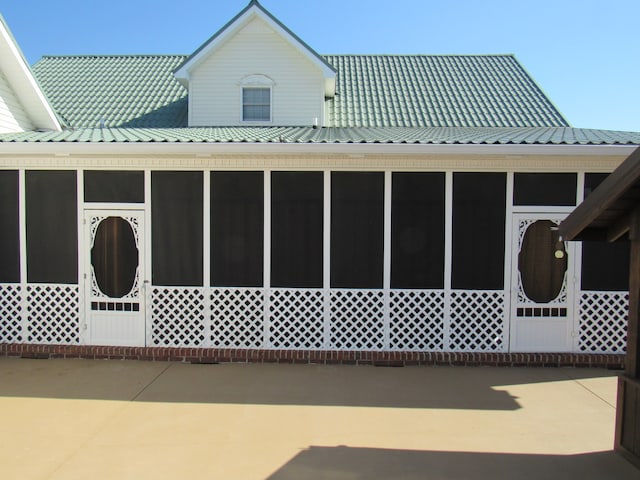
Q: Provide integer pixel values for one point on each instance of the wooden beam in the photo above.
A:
(618, 229)
(604, 197)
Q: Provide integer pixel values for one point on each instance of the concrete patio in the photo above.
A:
(78, 419)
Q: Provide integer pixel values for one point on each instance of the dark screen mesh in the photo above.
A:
(177, 228)
(541, 271)
(296, 229)
(544, 189)
(479, 201)
(113, 187)
(417, 230)
(237, 228)
(357, 229)
(52, 226)
(115, 257)
(9, 227)
(605, 266)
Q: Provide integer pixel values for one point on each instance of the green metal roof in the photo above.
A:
(391, 135)
(115, 90)
(372, 91)
(439, 91)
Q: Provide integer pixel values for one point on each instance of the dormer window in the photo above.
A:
(256, 98)
(256, 104)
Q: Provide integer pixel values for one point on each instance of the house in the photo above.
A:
(260, 197)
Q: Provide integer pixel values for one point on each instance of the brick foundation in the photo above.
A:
(328, 357)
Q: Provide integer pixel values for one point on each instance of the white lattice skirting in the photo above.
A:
(237, 317)
(40, 313)
(603, 322)
(178, 317)
(308, 319)
(11, 316)
(52, 314)
(296, 319)
(316, 319)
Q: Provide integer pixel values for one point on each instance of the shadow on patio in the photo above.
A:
(302, 385)
(338, 463)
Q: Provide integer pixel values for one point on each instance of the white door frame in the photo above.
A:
(117, 321)
(544, 329)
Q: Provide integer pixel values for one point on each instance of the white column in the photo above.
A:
(448, 257)
(148, 256)
(508, 255)
(386, 283)
(206, 256)
(326, 258)
(23, 254)
(267, 258)
(577, 272)
(82, 306)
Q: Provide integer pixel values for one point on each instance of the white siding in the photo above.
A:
(215, 91)
(13, 117)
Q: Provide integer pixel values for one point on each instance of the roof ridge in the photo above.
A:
(419, 55)
(120, 55)
(115, 55)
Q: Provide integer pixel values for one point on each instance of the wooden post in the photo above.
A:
(633, 367)
(627, 438)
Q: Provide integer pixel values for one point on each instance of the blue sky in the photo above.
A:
(584, 54)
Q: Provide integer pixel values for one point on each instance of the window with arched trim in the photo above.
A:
(256, 98)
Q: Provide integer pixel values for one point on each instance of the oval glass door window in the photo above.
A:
(542, 262)
(114, 257)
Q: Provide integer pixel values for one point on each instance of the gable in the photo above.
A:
(256, 51)
(251, 12)
(221, 74)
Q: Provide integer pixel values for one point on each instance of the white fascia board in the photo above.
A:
(18, 74)
(357, 149)
(183, 73)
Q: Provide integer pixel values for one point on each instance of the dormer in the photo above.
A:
(23, 106)
(256, 72)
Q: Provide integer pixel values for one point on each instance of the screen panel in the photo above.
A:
(177, 228)
(417, 230)
(297, 207)
(605, 266)
(9, 227)
(52, 226)
(479, 203)
(555, 189)
(357, 229)
(237, 229)
(113, 186)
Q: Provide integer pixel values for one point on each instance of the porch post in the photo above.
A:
(627, 438)
(633, 365)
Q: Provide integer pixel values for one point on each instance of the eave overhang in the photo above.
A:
(164, 149)
(17, 72)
